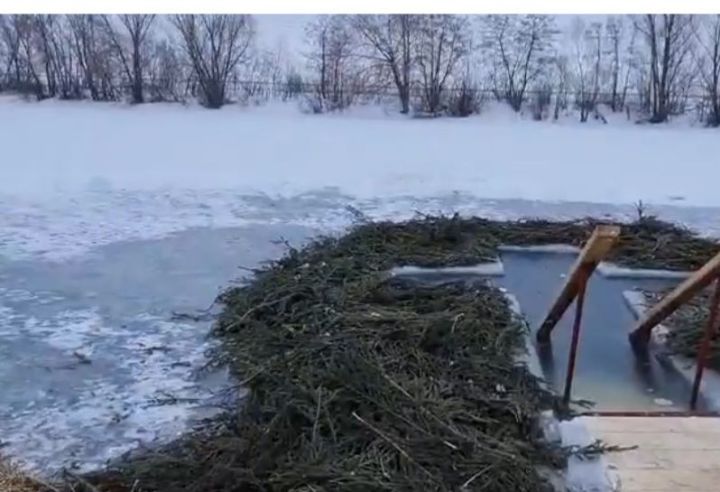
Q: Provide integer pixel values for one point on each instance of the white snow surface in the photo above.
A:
(79, 174)
(67, 146)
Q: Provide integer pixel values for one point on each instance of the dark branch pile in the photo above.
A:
(361, 382)
(676, 249)
(651, 243)
(687, 325)
(647, 243)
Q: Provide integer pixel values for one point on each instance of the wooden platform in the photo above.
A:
(674, 454)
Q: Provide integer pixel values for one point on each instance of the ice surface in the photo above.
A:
(93, 362)
(79, 389)
(104, 173)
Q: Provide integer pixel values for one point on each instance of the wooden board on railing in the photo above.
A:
(679, 296)
(597, 247)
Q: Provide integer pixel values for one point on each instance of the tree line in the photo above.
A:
(656, 65)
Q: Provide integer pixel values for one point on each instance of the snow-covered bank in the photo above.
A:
(60, 146)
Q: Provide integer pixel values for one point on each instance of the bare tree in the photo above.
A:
(41, 55)
(628, 68)
(519, 48)
(45, 27)
(215, 45)
(165, 73)
(55, 51)
(588, 52)
(83, 33)
(391, 39)
(25, 28)
(614, 30)
(338, 71)
(426, 57)
(21, 72)
(293, 84)
(443, 40)
(261, 79)
(562, 83)
(93, 55)
(464, 96)
(318, 34)
(669, 39)
(61, 49)
(11, 42)
(708, 63)
(133, 52)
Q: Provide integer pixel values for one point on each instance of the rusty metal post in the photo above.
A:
(575, 336)
(710, 330)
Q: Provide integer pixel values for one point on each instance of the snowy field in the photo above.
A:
(113, 217)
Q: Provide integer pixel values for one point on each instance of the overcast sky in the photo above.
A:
(286, 31)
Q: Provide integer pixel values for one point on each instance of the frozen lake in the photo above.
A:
(93, 363)
(92, 359)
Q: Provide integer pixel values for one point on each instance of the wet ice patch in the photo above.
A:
(66, 225)
(17, 295)
(135, 383)
(70, 225)
(71, 330)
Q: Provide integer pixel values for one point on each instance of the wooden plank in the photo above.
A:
(597, 247)
(640, 335)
